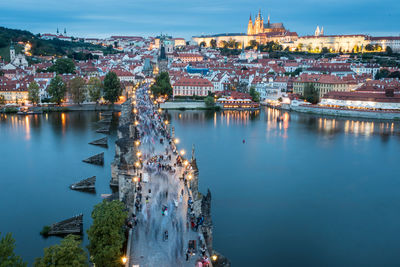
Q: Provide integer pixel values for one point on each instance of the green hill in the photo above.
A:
(41, 47)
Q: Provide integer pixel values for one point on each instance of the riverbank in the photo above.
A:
(194, 105)
(84, 107)
(311, 109)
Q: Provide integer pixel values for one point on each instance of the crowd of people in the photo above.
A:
(154, 133)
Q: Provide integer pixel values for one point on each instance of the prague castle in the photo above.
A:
(266, 32)
(258, 31)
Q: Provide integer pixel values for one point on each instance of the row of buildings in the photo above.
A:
(195, 70)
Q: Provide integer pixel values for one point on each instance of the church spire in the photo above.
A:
(268, 18)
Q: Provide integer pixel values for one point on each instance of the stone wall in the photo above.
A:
(347, 113)
(181, 105)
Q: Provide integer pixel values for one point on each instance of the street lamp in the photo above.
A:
(137, 143)
(166, 122)
(214, 257)
(190, 177)
(159, 110)
(136, 123)
(135, 179)
(185, 162)
(182, 152)
(124, 259)
(138, 153)
(176, 141)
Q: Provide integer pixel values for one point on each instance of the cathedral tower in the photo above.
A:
(250, 30)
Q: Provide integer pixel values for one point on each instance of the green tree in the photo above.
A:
(310, 93)
(162, 86)
(253, 44)
(223, 44)
(209, 101)
(57, 89)
(383, 73)
(324, 50)
(94, 87)
(389, 51)
(77, 89)
(2, 100)
(254, 94)
(112, 87)
(33, 92)
(62, 66)
(7, 255)
(369, 47)
(106, 234)
(213, 43)
(68, 253)
(203, 44)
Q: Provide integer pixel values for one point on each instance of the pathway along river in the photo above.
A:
(304, 191)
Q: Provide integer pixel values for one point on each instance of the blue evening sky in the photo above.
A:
(185, 18)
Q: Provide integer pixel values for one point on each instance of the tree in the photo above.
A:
(254, 94)
(112, 87)
(383, 73)
(213, 43)
(253, 44)
(162, 86)
(106, 234)
(209, 101)
(223, 44)
(310, 93)
(7, 255)
(57, 89)
(94, 87)
(68, 253)
(62, 66)
(2, 100)
(33, 92)
(77, 89)
(389, 51)
(324, 50)
(369, 47)
(203, 44)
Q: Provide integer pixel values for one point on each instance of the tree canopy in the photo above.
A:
(7, 255)
(162, 86)
(68, 253)
(62, 66)
(33, 92)
(112, 87)
(57, 89)
(77, 89)
(310, 93)
(106, 234)
(213, 43)
(95, 87)
(254, 94)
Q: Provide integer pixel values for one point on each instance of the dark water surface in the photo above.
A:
(306, 191)
(41, 156)
(303, 191)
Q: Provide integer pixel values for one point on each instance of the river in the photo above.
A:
(303, 190)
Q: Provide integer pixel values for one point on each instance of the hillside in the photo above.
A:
(41, 47)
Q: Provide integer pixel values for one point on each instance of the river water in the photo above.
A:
(300, 190)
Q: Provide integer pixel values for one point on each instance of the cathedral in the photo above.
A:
(260, 27)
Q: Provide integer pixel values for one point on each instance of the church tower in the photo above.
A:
(317, 31)
(12, 53)
(250, 30)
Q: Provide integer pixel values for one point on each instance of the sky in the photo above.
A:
(186, 18)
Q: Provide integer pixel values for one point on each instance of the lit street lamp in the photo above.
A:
(182, 152)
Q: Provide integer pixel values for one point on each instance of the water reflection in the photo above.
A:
(278, 122)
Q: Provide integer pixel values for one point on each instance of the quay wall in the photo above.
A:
(183, 105)
(347, 113)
